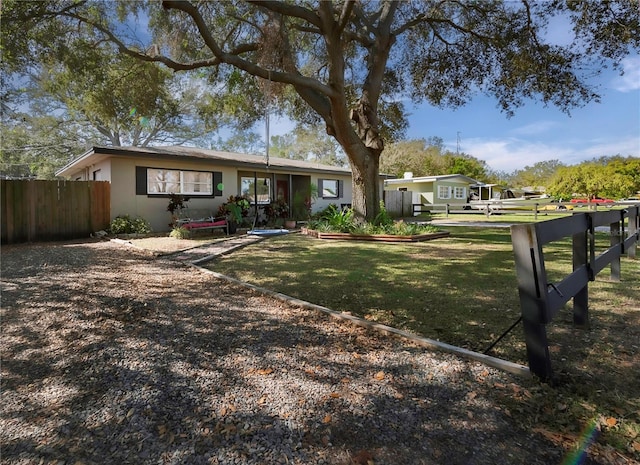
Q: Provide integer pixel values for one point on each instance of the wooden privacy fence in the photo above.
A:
(541, 300)
(53, 210)
(398, 203)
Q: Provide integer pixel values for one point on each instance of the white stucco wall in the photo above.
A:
(103, 168)
(346, 195)
(124, 200)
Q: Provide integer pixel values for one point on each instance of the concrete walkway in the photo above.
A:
(210, 251)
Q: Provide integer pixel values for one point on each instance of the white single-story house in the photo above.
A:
(142, 179)
(434, 192)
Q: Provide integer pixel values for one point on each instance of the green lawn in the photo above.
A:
(461, 290)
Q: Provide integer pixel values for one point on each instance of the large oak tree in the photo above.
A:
(350, 63)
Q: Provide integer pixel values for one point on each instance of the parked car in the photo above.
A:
(630, 200)
(555, 205)
(596, 200)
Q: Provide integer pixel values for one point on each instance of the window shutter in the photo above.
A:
(320, 189)
(141, 180)
(340, 189)
(217, 179)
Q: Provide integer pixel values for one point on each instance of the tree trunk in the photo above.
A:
(365, 161)
(366, 184)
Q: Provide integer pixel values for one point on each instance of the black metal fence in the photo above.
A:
(540, 300)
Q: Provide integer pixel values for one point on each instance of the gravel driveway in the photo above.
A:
(113, 356)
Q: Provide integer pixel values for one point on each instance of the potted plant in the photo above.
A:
(176, 203)
(234, 210)
(277, 212)
(290, 223)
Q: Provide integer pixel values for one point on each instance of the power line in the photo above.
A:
(34, 147)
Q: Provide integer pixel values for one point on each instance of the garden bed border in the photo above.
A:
(374, 237)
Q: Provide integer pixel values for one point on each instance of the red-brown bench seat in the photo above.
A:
(206, 224)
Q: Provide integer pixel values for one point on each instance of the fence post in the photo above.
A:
(581, 298)
(532, 291)
(615, 238)
(633, 229)
(535, 216)
(447, 210)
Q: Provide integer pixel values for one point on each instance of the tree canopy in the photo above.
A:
(428, 157)
(350, 64)
(536, 175)
(614, 177)
(308, 144)
(77, 90)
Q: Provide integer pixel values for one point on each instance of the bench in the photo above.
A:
(201, 221)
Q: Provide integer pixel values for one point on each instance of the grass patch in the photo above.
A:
(462, 290)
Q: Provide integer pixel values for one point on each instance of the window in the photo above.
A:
(162, 182)
(196, 182)
(330, 188)
(460, 193)
(250, 186)
(444, 192)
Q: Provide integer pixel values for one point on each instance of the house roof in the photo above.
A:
(97, 153)
(429, 179)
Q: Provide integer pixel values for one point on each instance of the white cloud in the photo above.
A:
(630, 80)
(624, 147)
(536, 128)
(511, 154)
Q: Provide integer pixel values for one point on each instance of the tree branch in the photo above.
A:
(347, 8)
(295, 79)
(287, 9)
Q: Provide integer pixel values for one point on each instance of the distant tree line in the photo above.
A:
(608, 176)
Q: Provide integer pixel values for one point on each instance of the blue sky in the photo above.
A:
(537, 133)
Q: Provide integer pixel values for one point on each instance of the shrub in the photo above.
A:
(276, 210)
(341, 220)
(236, 208)
(176, 203)
(180, 233)
(126, 225)
(383, 218)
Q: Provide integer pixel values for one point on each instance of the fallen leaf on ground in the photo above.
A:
(265, 371)
(326, 419)
(611, 422)
(379, 375)
(363, 458)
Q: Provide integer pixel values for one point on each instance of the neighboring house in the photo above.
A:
(142, 179)
(434, 192)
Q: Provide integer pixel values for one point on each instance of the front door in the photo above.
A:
(282, 190)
